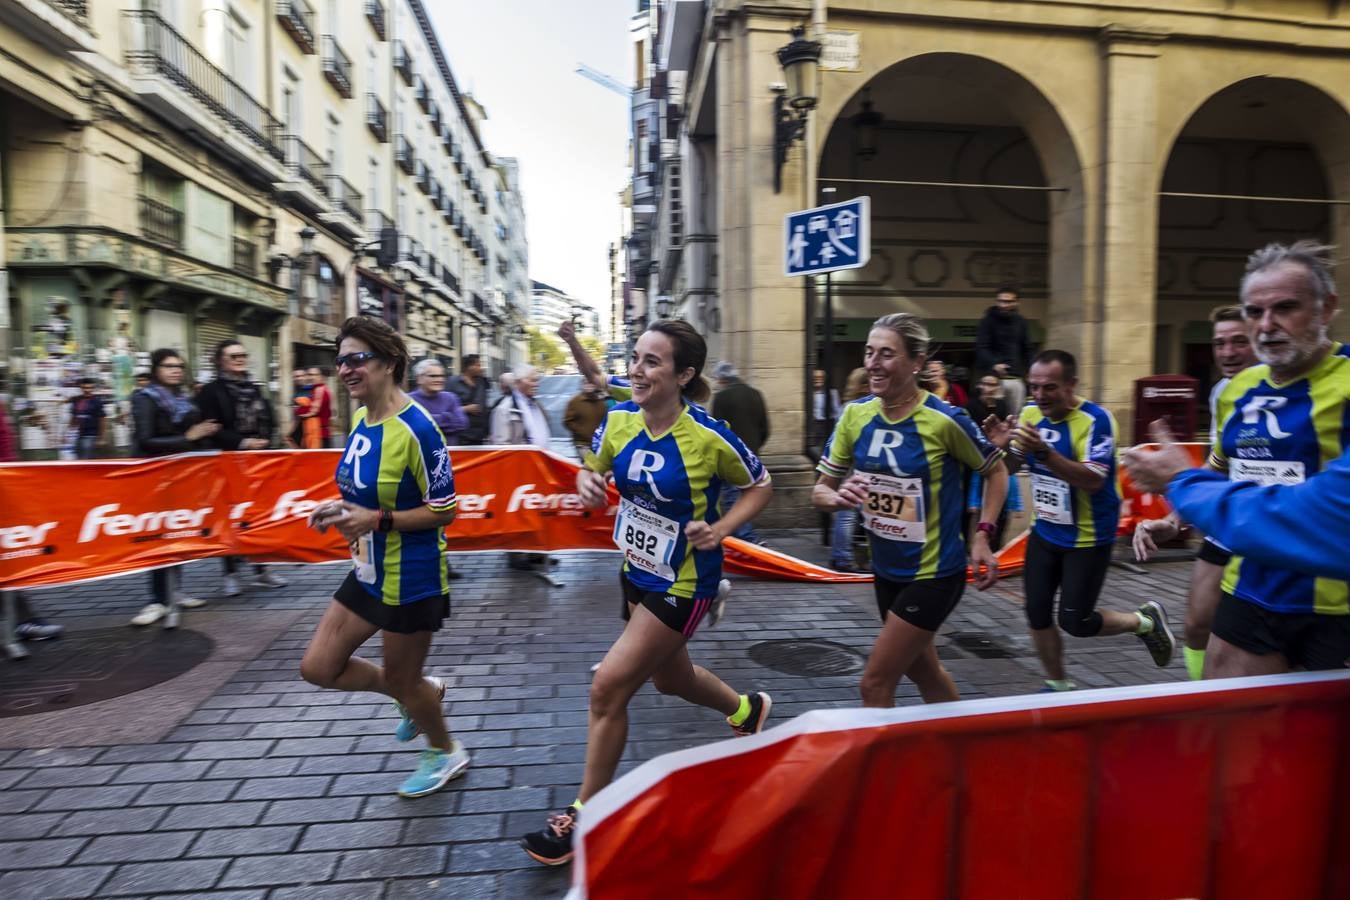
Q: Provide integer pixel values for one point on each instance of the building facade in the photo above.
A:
(1115, 161)
(550, 307)
(186, 171)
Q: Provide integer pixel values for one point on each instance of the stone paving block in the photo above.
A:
(228, 749)
(475, 887)
(288, 730)
(283, 788)
(514, 756)
(352, 836)
(26, 826)
(216, 895)
(75, 776)
(488, 857)
(392, 862)
(304, 812)
(49, 884)
(153, 877)
(536, 882)
(504, 800)
(311, 746)
(150, 772)
(340, 765)
(222, 732)
(39, 854)
(106, 797)
(449, 829)
(123, 848)
(172, 793)
(206, 717)
(245, 841)
(367, 783)
(281, 869)
(256, 768)
(351, 890)
(214, 815)
(53, 756)
(10, 777)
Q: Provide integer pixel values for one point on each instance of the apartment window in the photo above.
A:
(372, 65)
(421, 225)
(373, 184)
(400, 120)
(238, 61)
(290, 102)
(334, 149)
(401, 210)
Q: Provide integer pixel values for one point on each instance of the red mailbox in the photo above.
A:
(1170, 397)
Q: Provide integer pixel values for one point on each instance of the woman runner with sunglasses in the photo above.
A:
(398, 493)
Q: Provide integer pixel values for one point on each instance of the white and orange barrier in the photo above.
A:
(1235, 789)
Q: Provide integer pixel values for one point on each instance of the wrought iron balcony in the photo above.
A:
(404, 155)
(403, 61)
(423, 177)
(376, 15)
(448, 208)
(435, 114)
(422, 92)
(337, 68)
(450, 278)
(447, 139)
(304, 163)
(245, 260)
(297, 18)
(161, 223)
(345, 198)
(75, 10)
(155, 48)
(377, 118)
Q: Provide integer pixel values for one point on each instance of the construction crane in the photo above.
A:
(604, 80)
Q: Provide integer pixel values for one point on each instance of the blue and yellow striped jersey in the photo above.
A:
(1067, 516)
(400, 463)
(1284, 434)
(914, 468)
(665, 482)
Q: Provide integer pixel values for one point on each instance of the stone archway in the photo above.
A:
(940, 251)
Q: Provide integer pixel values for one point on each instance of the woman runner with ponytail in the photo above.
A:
(668, 458)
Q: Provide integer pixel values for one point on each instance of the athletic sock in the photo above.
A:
(1195, 662)
(1145, 624)
(576, 804)
(1060, 684)
(742, 711)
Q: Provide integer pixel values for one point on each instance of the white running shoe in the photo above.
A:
(719, 606)
(230, 587)
(150, 614)
(183, 601)
(269, 579)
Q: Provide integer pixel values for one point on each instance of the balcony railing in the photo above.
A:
(337, 68)
(345, 198)
(423, 177)
(404, 155)
(376, 222)
(297, 18)
(403, 61)
(303, 163)
(245, 257)
(161, 223)
(75, 10)
(410, 250)
(448, 208)
(422, 92)
(376, 15)
(435, 115)
(155, 48)
(447, 138)
(451, 280)
(377, 118)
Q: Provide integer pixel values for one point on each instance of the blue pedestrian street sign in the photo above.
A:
(828, 238)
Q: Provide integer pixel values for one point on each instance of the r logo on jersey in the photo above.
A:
(885, 441)
(643, 467)
(1049, 435)
(1257, 407)
(357, 449)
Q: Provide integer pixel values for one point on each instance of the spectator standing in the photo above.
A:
(743, 409)
(247, 422)
(1003, 346)
(989, 401)
(321, 399)
(518, 419)
(823, 413)
(935, 380)
(845, 521)
(300, 403)
(167, 422)
(584, 413)
(471, 388)
(443, 405)
(89, 420)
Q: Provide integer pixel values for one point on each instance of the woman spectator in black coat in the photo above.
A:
(247, 422)
(166, 422)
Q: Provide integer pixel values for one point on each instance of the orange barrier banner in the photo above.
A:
(1139, 505)
(1235, 789)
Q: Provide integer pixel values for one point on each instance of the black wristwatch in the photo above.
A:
(386, 520)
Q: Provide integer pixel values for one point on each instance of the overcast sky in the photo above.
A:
(571, 135)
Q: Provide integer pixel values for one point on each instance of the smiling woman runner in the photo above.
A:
(398, 493)
(907, 449)
(669, 458)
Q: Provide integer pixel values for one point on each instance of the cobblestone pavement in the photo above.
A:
(271, 788)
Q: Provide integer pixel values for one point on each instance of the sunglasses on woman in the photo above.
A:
(355, 360)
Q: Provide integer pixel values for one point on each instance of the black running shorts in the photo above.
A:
(1214, 553)
(1076, 574)
(925, 603)
(680, 613)
(406, 618)
(1311, 640)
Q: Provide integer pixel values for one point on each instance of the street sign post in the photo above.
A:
(828, 238)
(820, 241)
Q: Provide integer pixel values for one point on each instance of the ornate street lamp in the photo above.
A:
(867, 128)
(795, 100)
